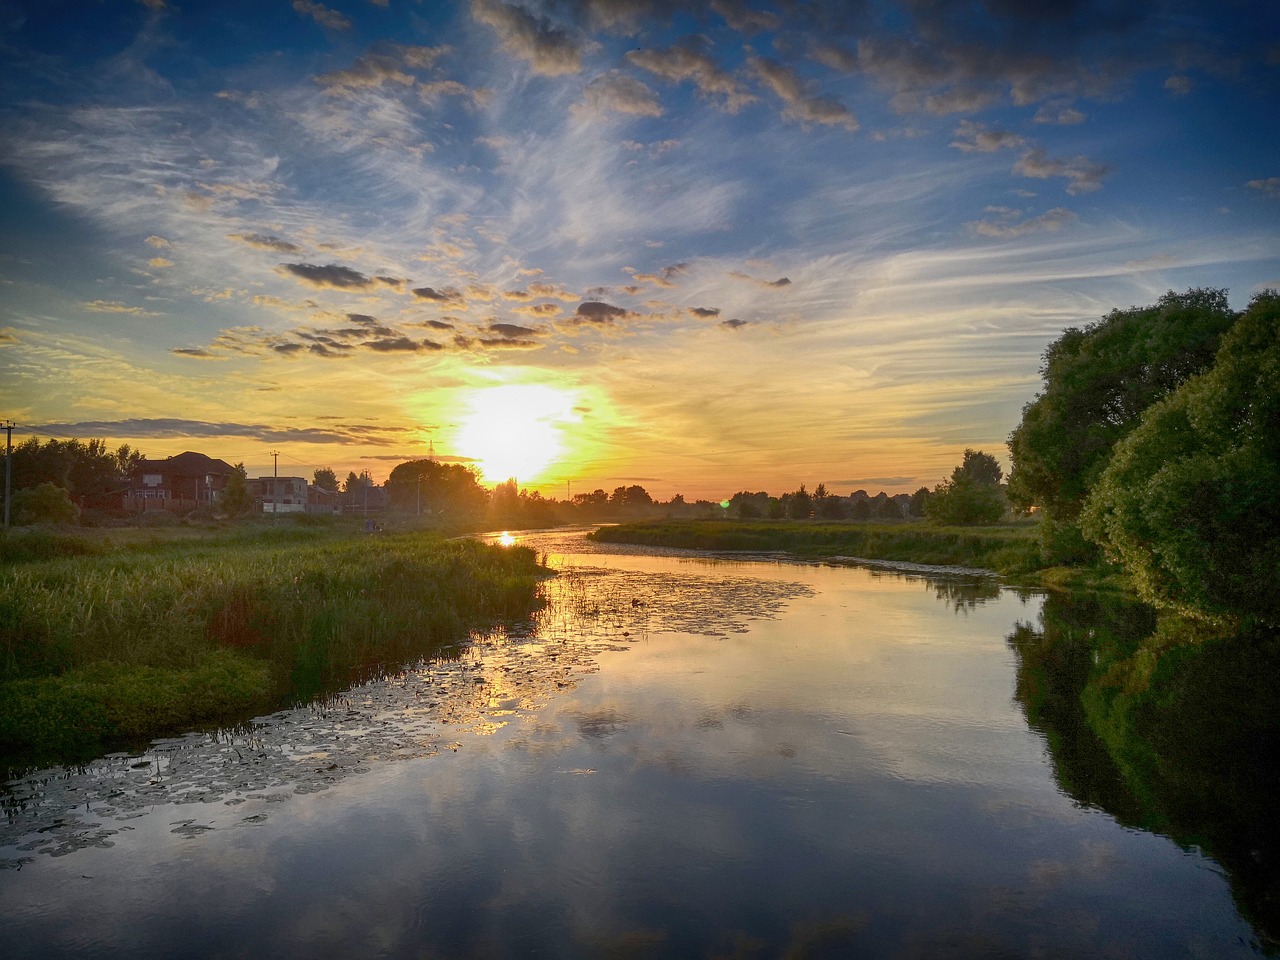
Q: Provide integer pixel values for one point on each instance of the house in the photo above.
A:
(280, 494)
(186, 481)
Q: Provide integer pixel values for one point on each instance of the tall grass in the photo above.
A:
(149, 637)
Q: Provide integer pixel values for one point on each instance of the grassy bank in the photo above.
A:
(112, 638)
(1012, 550)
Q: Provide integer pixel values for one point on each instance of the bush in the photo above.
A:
(46, 503)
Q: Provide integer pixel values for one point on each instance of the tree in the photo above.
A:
(352, 483)
(325, 479)
(918, 501)
(964, 499)
(981, 467)
(1190, 501)
(236, 500)
(440, 489)
(1097, 383)
(46, 503)
(800, 506)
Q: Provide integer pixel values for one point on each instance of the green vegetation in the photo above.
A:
(1098, 382)
(1189, 501)
(111, 638)
(972, 496)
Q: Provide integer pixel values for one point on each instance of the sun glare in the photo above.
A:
(516, 430)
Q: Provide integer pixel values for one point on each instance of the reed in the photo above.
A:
(146, 638)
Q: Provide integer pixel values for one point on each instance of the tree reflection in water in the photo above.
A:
(1166, 729)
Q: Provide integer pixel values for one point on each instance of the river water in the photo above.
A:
(681, 756)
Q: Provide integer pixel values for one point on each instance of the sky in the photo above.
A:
(702, 248)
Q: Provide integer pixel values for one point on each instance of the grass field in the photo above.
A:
(123, 635)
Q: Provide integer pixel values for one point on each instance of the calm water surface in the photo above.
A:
(681, 757)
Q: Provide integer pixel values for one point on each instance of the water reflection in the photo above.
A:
(676, 758)
(1165, 730)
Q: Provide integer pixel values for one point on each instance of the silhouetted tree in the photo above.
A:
(325, 479)
(236, 500)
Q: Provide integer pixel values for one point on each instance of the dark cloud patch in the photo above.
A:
(393, 345)
(331, 276)
(705, 313)
(687, 61)
(507, 343)
(448, 297)
(511, 331)
(163, 428)
(199, 353)
(287, 349)
(735, 323)
(436, 324)
(363, 319)
(597, 311)
(1082, 174)
(263, 242)
(549, 50)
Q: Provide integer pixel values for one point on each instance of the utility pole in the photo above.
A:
(275, 483)
(8, 457)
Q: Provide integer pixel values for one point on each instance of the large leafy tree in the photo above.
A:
(1190, 501)
(972, 495)
(1098, 381)
(438, 489)
(236, 499)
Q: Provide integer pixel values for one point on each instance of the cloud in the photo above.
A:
(666, 278)
(1178, 85)
(115, 306)
(1060, 114)
(448, 297)
(735, 324)
(744, 19)
(1082, 174)
(400, 345)
(333, 276)
(160, 428)
(1270, 186)
(599, 312)
(1009, 226)
(619, 93)
(705, 313)
(199, 353)
(975, 138)
(387, 63)
(791, 89)
(511, 331)
(158, 242)
(771, 284)
(684, 62)
(328, 18)
(550, 51)
(262, 242)
(160, 262)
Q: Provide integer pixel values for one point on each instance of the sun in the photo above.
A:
(516, 430)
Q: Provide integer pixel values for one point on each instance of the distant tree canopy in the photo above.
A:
(1190, 500)
(438, 489)
(325, 479)
(972, 495)
(1097, 383)
(83, 468)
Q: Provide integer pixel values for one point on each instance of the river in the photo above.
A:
(681, 756)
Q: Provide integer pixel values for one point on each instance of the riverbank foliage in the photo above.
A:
(1154, 443)
(109, 638)
(1005, 548)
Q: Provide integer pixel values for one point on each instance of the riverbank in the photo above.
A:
(1011, 550)
(115, 638)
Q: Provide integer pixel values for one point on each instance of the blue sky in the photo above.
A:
(702, 247)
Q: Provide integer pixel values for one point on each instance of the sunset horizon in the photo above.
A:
(739, 246)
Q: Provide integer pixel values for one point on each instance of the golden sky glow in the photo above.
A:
(702, 248)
